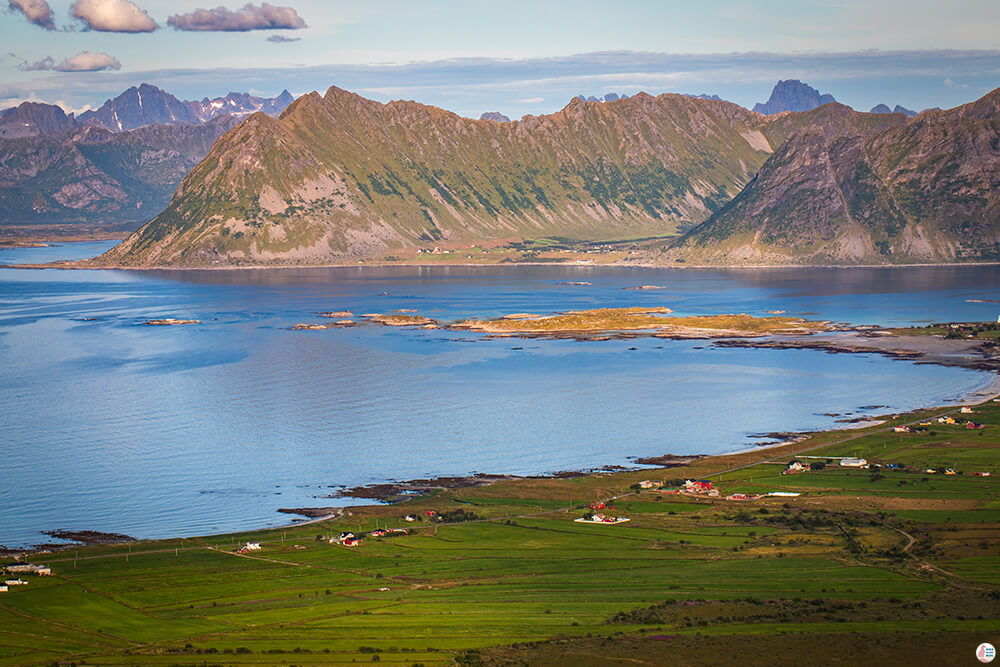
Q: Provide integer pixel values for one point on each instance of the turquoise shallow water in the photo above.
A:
(157, 431)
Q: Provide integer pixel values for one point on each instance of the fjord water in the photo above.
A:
(106, 424)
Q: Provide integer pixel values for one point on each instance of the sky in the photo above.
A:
(516, 56)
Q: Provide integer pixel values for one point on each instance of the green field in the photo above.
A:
(893, 558)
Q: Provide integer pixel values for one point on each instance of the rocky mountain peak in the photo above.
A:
(792, 95)
(495, 116)
(139, 106)
(30, 119)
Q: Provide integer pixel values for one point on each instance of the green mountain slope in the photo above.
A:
(338, 177)
(919, 191)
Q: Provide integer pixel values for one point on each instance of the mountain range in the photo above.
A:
(893, 190)
(136, 107)
(91, 174)
(115, 164)
(337, 177)
(148, 104)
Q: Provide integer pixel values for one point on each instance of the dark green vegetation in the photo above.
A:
(867, 564)
(911, 191)
(338, 177)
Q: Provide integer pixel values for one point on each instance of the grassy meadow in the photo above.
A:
(865, 564)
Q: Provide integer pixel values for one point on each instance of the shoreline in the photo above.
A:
(79, 265)
(402, 492)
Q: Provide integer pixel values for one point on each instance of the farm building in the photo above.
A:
(853, 463)
(698, 486)
(743, 497)
(29, 568)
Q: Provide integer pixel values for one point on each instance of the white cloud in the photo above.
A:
(112, 16)
(531, 100)
(85, 61)
(250, 17)
(36, 11)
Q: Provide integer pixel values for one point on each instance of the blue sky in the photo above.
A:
(521, 56)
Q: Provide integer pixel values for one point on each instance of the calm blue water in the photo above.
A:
(109, 425)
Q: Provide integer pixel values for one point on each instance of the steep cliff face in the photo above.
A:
(338, 177)
(896, 191)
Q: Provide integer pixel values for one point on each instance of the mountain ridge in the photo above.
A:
(337, 177)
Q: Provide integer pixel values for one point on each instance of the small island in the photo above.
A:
(585, 323)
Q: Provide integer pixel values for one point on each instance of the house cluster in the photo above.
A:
(30, 568)
(23, 568)
(346, 539)
(248, 547)
(648, 484)
(699, 487)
